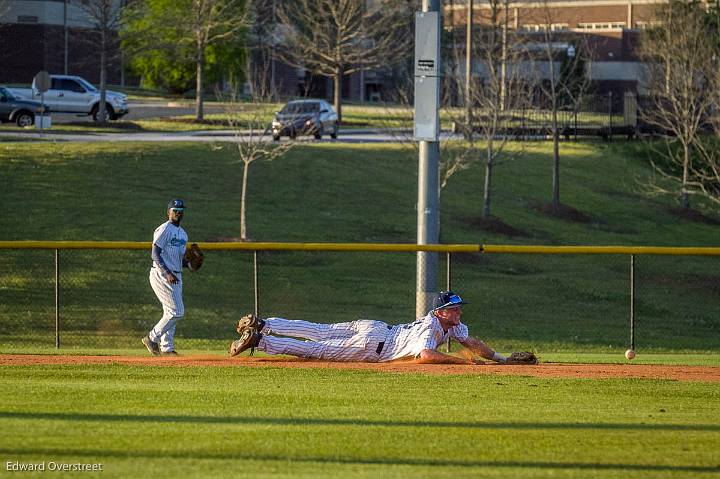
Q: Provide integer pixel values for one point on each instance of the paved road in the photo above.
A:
(349, 136)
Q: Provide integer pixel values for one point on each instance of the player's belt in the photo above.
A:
(176, 272)
(381, 344)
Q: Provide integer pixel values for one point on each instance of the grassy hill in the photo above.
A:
(361, 193)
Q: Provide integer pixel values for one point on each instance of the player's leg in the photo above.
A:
(341, 349)
(308, 330)
(167, 339)
(170, 296)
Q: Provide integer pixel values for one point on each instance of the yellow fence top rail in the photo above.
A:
(382, 247)
(249, 246)
(661, 250)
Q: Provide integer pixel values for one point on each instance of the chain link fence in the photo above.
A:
(545, 302)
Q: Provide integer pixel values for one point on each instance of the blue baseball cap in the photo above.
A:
(447, 299)
(176, 204)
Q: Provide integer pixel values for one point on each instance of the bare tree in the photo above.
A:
(497, 94)
(334, 38)
(252, 141)
(561, 79)
(681, 84)
(104, 17)
(261, 43)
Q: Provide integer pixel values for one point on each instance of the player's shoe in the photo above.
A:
(249, 338)
(169, 353)
(250, 321)
(151, 346)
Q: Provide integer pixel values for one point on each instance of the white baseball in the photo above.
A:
(629, 354)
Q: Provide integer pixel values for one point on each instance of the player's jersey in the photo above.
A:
(171, 240)
(408, 340)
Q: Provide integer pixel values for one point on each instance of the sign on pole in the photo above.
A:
(42, 83)
(427, 76)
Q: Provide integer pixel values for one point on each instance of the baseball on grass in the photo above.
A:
(629, 354)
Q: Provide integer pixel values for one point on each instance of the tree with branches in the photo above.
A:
(499, 90)
(261, 43)
(334, 38)
(105, 17)
(682, 85)
(185, 27)
(253, 141)
(561, 79)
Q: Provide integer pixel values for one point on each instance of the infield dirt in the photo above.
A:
(543, 370)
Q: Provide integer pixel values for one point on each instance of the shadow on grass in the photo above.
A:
(332, 457)
(351, 422)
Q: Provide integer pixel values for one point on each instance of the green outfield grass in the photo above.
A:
(363, 193)
(140, 421)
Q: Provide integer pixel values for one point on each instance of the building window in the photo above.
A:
(601, 26)
(27, 19)
(534, 28)
(646, 25)
(558, 27)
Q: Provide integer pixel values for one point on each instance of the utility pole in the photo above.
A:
(503, 65)
(65, 33)
(468, 68)
(428, 27)
(273, 87)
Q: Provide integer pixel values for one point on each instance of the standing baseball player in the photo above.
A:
(367, 340)
(168, 259)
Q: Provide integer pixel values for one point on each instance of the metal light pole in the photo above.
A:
(468, 66)
(427, 132)
(65, 37)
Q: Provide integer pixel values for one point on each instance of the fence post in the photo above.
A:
(256, 284)
(610, 112)
(576, 113)
(632, 302)
(448, 282)
(57, 298)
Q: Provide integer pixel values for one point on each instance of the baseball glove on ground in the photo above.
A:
(247, 321)
(194, 257)
(523, 357)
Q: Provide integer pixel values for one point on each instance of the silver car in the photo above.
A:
(305, 117)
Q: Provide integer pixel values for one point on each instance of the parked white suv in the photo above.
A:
(74, 94)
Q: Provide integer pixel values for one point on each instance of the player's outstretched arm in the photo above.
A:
(478, 347)
(430, 356)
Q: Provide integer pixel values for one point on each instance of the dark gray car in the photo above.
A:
(306, 117)
(21, 112)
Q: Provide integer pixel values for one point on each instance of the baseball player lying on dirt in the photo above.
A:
(371, 341)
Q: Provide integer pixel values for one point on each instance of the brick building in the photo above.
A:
(50, 35)
(610, 28)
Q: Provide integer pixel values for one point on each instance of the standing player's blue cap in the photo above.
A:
(447, 299)
(177, 204)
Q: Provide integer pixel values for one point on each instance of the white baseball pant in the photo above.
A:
(170, 296)
(354, 341)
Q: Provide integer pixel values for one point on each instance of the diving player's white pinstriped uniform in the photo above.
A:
(362, 340)
(171, 240)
